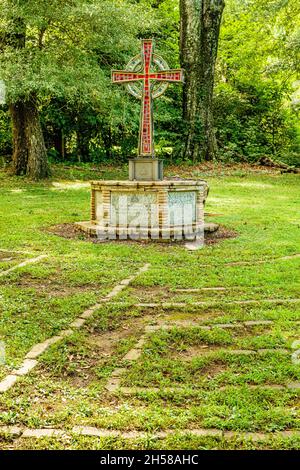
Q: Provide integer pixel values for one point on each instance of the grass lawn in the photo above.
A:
(194, 371)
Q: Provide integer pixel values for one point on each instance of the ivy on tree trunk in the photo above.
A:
(200, 28)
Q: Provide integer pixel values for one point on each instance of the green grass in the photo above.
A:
(200, 384)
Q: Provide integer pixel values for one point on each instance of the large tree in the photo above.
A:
(200, 28)
(60, 50)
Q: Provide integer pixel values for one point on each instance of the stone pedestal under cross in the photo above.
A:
(146, 84)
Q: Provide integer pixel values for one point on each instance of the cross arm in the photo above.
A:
(175, 75)
(118, 76)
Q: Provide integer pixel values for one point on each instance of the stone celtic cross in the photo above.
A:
(147, 77)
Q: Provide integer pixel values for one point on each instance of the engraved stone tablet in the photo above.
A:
(134, 209)
(182, 207)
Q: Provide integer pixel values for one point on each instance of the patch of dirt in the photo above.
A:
(71, 232)
(222, 234)
(151, 294)
(8, 256)
(51, 286)
(211, 370)
(106, 342)
(102, 346)
(193, 352)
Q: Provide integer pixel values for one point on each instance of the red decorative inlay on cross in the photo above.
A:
(146, 142)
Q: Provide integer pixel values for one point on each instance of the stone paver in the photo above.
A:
(40, 348)
(26, 367)
(116, 290)
(212, 302)
(200, 289)
(129, 391)
(118, 372)
(11, 430)
(227, 325)
(288, 433)
(7, 383)
(240, 352)
(126, 282)
(40, 433)
(92, 431)
(88, 313)
(206, 432)
(113, 384)
(24, 263)
(294, 385)
(276, 350)
(77, 323)
(65, 333)
(151, 328)
(132, 355)
(141, 342)
(253, 436)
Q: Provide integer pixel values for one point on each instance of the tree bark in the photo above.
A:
(29, 151)
(200, 28)
(20, 154)
(37, 165)
(190, 16)
(16, 39)
(59, 142)
(83, 141)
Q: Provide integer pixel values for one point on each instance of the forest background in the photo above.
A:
(65, 63)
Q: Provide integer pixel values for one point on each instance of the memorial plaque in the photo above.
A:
(182, 207)
(134, 209)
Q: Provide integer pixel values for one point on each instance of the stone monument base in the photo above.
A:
(145, 169)
(161, 210)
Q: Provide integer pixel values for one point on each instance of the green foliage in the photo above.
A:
(256, 108)
(71, 47)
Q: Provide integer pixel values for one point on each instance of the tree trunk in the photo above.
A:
(37, 166)
(29, 151)
(200, 28)
(16, 39)
(190, 14)
(107, 140)
(20, 154)
(83, 142)
(59, 143)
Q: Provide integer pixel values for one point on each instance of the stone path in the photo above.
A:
(30, 360)
(89, 431)
(24, 263)
(211, 303)
(114, 383)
